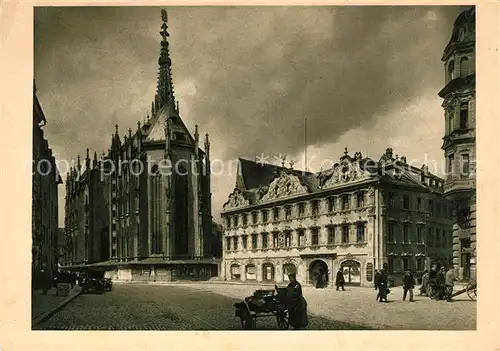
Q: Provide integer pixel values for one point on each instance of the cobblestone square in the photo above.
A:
(196, 306)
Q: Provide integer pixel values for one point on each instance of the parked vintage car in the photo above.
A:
(93, 281)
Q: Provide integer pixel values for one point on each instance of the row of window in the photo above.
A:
(435, 237)
(298, 210)
(463, 69)
(268, 272)
(440, 209)
(232, 243)
(404, 263)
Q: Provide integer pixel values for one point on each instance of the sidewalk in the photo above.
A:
(43, 306)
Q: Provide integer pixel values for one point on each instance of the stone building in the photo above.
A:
(157, 185)
(86, 215)
(45, 182)
(355, 217)
(459, 104)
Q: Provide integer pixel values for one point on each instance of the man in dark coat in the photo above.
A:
(408, 285)
(382, 285)
(339, 281)
(296, 304)
(376, 279)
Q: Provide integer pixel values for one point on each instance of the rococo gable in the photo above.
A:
(236, 199)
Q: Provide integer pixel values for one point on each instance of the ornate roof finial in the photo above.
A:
(283, 159)
(116, 128)
(196, 135)
(345, 151)
(165, 91)
(130, 133)
(291, 164)
(138, 125)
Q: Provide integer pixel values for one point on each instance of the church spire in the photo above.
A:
(165, 90)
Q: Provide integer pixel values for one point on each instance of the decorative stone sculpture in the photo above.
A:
(285, 185)
(236, 199)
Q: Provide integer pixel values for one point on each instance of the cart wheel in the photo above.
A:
(471, 289)
(247, 322)
(282, 320)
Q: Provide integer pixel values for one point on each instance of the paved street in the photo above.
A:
(210, 307)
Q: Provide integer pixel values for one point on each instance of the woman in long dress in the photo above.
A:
(296, 304)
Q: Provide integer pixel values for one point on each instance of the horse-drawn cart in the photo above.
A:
(263, 304)
(470, 289)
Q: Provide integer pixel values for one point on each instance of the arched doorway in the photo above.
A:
(318, 274)
(352, 272)
(267, 272)
(288, 268)
(235, 272)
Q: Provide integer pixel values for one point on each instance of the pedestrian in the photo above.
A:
(339, 281)
(44, 277)
(383, 289)
(376, 278)
(449, 278)
(425, 281)
(296, 304)
(408, 284)
(441, 283)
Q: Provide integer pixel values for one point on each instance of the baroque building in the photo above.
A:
(459, 104)
(157, 187)
(355, 217)
(86, 215)
(45, 182)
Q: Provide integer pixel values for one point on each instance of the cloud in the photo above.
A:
(246, 75)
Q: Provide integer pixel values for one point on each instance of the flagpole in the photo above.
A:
(305, 144)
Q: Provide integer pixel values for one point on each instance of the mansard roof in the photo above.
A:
(261, 183)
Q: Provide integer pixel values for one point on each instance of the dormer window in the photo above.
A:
(180, 136)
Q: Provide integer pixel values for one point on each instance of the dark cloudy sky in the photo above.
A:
(365, 77)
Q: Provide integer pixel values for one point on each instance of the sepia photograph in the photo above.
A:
(265, 168)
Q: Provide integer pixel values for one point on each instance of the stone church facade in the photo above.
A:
(354, 217)
(156, 191)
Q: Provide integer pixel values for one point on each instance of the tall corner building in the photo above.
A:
(459, 104)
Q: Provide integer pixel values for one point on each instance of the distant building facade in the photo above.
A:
(459, 142)
(156, 189)
(86, 214)
(45, 182)
(354, 217)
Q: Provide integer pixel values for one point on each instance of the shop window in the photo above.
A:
(235, 272)
(268, 272)
(250, 272)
